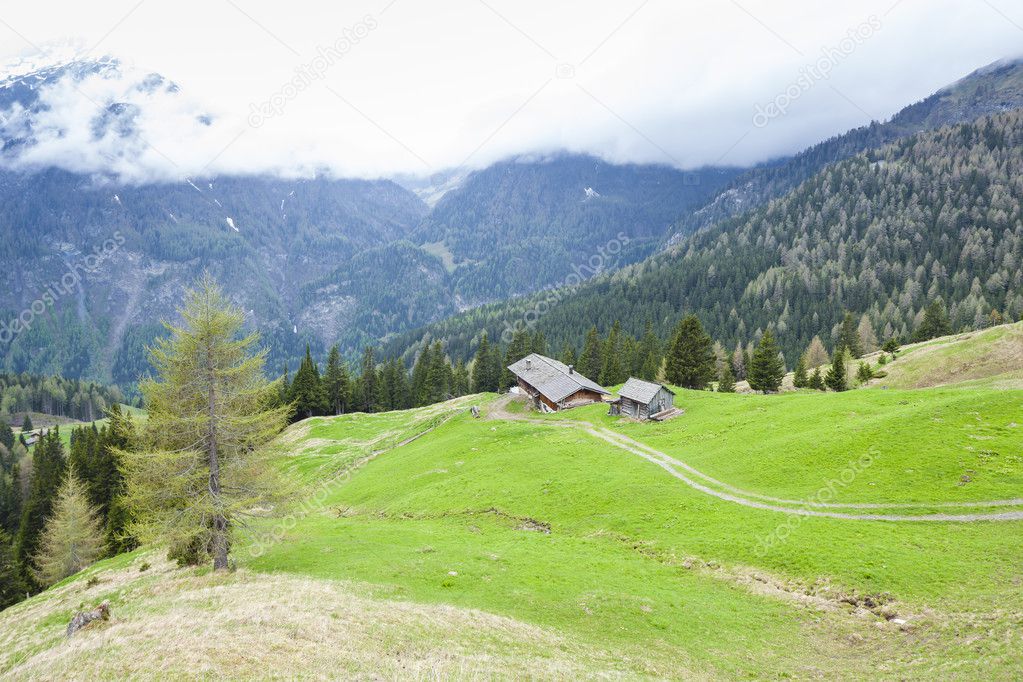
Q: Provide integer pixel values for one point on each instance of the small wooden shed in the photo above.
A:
(642, 399)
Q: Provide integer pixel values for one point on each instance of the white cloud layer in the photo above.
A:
(379, 88)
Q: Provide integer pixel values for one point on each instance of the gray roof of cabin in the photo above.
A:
(641, 391)
(552, 378)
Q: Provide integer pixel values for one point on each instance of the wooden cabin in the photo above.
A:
(643, 400)
(553, 386)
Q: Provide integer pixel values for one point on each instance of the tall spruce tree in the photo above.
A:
(766, 367)
(934, 324)
(438, 376)
(6, 435)
(726, 382)
(592, 360)
(539, 344)
(12, 585)
(519, 348)
(849, 337)
(836, 378)
(369, 382)
(800, 379)
(307, 392)
(460, 379)
(568, 355)
(612, 371)
(486, 368)
(211, 413)
(336, 383)
(690, 357)
(650, 354)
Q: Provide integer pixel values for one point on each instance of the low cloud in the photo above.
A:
(375, 89)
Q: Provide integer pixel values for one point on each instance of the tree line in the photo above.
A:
(61, 508)
(55, 395)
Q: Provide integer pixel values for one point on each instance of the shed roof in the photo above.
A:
(641, 391)
(553, 379)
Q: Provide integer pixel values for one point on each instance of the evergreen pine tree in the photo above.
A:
(519, 348)
(726, 382)
(767, 368)
(307, 394)
(336, 383)
(849, 337)
(568, 355)
(799, 379)
(461, 383)
(650, 354)
(484, 378)
(836, 378)
(369, 381)
(611, 371)
(591, 361)
(73, 536)
(439, 376)
(690, 359)
(6, 435)
(539, 345)
(864, 373)
(26, 424)
(816, 381)
(12, 586)
(891, 346)
(934, 324)
(420, 372)
(10, 500)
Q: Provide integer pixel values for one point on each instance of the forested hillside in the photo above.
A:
(936, 215)
(995, 88)
(523, 224)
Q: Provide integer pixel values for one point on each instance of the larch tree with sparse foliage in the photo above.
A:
(201, 463)
(73, 536)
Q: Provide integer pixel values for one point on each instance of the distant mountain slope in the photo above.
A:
(524, 224)
(938, 214)
(995, 88)
(264, 239)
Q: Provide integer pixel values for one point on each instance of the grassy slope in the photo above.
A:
(989, 358)
(639, 574)
(169, 623)
(613, 568)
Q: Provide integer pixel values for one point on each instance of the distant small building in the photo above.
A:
(643, 400)
(553, 386)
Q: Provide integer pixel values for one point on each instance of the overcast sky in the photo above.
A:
(406, 86)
